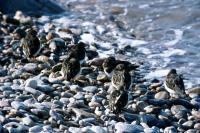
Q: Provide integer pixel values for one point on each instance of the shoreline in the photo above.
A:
(29, 101)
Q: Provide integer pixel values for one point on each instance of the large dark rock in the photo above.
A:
(29, 6)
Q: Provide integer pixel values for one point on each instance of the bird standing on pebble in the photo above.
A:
(109, 65)
(78, 52)
(121, 78)
(70, 68)
(118, 100)
(174, 84)
(31, 44)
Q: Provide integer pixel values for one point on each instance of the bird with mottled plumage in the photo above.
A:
(174, 84)
(121, 78)
(109, 65)
(78, 52)
(118, 100)
(31, 44)
(70, 68)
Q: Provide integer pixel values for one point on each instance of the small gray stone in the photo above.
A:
(27, 121)
(31, 83)
(128, 128)
(197, 126)
(45, 88)
(75, 88)
(98, 129)
(40, 113)
(170, 130)
(33, 91)
(14, 127)
(79, 96)
(18, 105)
(30, 67)
(35, 129)
(4, 88)
(188, 125)
(176, 108)
(91, 89)
(74, 130)
(162, 95)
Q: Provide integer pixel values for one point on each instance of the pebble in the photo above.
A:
(128, 128)
(30, 67)
(18, 105)
(14, 127)
(162, 95)
(31, 83)
(35, 129)
(33, 91)
(91, 89)
(170, 129)
(98, 129)
(27, 121)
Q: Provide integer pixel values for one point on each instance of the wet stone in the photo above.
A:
(162, 95)
(35, 129)
(31, 83)
(128, 128)
(170, 129)
(91, 89)
(18, 105)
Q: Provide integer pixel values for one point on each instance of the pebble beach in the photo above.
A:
(34, 98)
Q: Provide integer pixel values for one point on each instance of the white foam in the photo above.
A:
(143, 6)
(133, 43)
(89, 38)
(178, 37)
(157, 74)
(168, 53)
(144, 50)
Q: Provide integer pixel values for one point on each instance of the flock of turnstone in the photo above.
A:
(118, 71)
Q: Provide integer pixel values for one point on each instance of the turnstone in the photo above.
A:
(70, 68)
(30, 44)
(78, 52)
(121, 77)
(118, 100)
(174, 84)
(109, 65)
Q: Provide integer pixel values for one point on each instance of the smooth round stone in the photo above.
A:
(79, 96)
(151, 120)
(197, 126)
(17, 73)
(196, 114)
(47, 128)
(40, 113)
(4, 103)
(64, 100)
(30, 67)
(66, 94)
(176, 108)
(87, 121)
(91, 89)
(74, 130)
(42, 97)
(27, 121)
(35, 129)
(192, 131)
(141, 105)
(18, 105)
(170, 130)
(98, 129)
(75, 88)
(14, 127)
(55, 115)
(45, 88)
(33, 91)
(2, 119)
(128, 128)
(194, 92)
(181, 114)
(195, 102)
(188, 124)
(31, 83)
(102, 77)
(162, 95)
(151, 130)
(3, 72)
(4, 88)
(1, 128)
